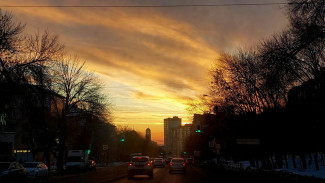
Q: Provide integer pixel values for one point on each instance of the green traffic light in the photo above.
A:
(122, 140)
(88, 152)
(184, 152)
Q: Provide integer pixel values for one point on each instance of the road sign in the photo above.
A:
(211, 143)
(105, 147)
(248, 141)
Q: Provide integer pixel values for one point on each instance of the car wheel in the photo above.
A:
(170, 171)
(130, 176)
(151, 175)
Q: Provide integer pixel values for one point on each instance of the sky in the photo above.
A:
(153, 60)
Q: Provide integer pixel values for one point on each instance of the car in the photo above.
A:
(158, 162)
(12, 171)
(190, 161)
(168, 160)
(35, 169)
(92, 165)
(177, 165)
(140, 165)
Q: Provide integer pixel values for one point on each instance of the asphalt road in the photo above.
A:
(162, 175)
(198, 174)
(194, 174)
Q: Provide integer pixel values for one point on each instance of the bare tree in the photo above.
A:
(80, 89)
(237, 83)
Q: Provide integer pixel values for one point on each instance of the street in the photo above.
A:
(193, 174)
(200, 174)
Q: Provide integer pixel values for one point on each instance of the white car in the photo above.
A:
(36, 169)
(12, 172)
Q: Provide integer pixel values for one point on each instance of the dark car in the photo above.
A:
(190, 161)
(177, 165)
(140, 165)
(168, 160)
(159, 162)
(12, 171)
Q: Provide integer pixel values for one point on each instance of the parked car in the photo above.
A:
(92, 165)
(159, 162)
(12, 171)
(140, 165)
(177, 164)
(36, 169)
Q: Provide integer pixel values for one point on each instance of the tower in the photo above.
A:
(148, 134)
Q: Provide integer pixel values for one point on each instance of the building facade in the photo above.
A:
(179, 136)
(169, 125)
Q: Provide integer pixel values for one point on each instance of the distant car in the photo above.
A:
(92, 165)
(159, 162)
(12, 171)
(168, 160)
(190, 161)
(177, 164)
(140, 165)
(36, 169)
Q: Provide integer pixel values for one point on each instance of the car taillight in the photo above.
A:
(148, 164)
(130, 164)
(183, 164)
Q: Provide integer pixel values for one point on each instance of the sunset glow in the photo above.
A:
(153, 61)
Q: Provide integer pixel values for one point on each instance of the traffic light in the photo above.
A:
(185, 152)
(88, 151)
(122, 138)
(198, 129)
(161, 153)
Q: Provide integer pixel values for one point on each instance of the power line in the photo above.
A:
(145, 6)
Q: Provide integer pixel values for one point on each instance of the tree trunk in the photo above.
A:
(286, 161)
(303, 160)
(62, 141)
(278, 159)
(316, 161)
(294, 164)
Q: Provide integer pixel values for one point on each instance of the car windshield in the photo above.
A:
(74, 159)
(4, 166)
(30, 165)
(177, 160)
(140, 159)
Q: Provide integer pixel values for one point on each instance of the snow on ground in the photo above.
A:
(311, 170)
